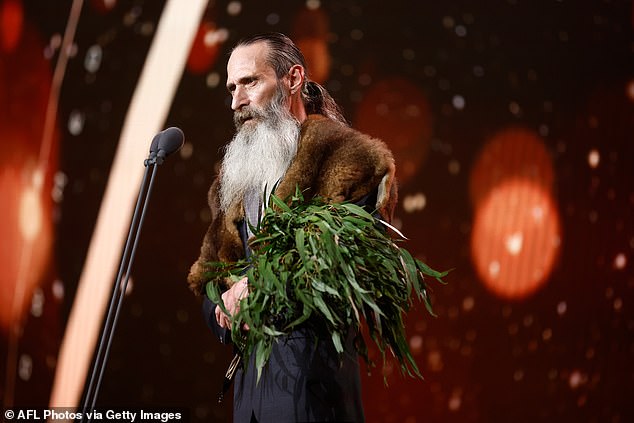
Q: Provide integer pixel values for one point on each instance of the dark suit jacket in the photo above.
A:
(304, 381)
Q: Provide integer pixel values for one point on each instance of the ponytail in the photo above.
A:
(318, 101)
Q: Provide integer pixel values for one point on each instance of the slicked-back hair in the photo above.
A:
(284, 54)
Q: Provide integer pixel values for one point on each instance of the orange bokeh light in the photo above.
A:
(103, 6)
(515, 238)
(310, 23)
(26, 177)
(11, 24)
(317, 57)
(205, 48)
(396, 111)
(511, 153)
(27, 232)
(310, 33)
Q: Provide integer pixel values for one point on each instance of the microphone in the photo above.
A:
(170, 141)
(163, 144)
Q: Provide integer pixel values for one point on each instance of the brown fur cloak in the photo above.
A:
(333, 161)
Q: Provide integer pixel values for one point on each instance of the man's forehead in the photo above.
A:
(249, 58)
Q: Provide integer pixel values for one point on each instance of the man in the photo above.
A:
(289, 133)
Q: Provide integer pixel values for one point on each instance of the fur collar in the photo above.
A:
(333, 161)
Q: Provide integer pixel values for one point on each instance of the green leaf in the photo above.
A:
(336, 340)
(299, 243)
(320, 286)
(262, 353)
(272, 332)
(321, 305)
(357, 211)
(278, 203)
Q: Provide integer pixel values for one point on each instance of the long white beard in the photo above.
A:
(259, 154)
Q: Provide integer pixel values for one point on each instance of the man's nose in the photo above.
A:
(240, 99)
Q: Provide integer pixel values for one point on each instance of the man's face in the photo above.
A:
(252, 83)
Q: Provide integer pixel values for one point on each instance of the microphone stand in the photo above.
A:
(119, 287)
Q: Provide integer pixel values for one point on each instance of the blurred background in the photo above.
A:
(512, 124)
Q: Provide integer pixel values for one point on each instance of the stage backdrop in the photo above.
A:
(511, 122)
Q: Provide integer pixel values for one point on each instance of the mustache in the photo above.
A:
(246, 113)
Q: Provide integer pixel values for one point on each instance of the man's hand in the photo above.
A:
(231, 299)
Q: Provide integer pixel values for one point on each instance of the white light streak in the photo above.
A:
(149, 107)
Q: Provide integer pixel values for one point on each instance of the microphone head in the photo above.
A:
(170, 141)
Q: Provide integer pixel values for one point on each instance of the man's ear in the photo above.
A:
(296, 78)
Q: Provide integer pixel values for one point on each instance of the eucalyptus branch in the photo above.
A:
(332, 265)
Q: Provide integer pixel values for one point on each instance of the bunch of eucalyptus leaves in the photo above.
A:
(330, 263)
